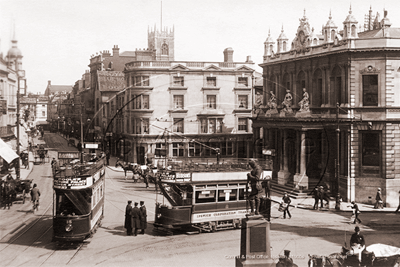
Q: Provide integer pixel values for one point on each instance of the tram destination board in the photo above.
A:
(72, 183)
(68, 155)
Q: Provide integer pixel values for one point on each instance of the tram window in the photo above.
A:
(179, 194)
(72, 203)
(205, 196)
(222, 185)
(227, 195)
(212, 186)
(242, 193)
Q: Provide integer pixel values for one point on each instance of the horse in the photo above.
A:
(128, 167)
(8, 193)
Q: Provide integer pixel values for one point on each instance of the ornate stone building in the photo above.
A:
(331, 108)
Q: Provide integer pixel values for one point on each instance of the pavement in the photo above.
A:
(308, 203)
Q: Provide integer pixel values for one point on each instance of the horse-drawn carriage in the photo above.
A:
(139, 172)
(374, 255)
(12, 190)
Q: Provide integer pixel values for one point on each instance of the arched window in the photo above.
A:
(164, 49)
(284, 47)
(332, 35)
(345, 31)
(315, 41)
(336, 86)
(316, 94)
(285, 86)
(353, 30)
(301, 83)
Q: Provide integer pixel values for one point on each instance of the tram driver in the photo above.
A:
(256, 188)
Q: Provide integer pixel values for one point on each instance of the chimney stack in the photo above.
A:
(115, 51)
(228, 54)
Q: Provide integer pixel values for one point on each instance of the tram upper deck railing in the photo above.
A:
(230, 165)
(77, 169)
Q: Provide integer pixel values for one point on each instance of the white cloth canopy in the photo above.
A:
(382, 250)
(6, 152)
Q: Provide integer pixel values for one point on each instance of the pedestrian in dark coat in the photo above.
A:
(317, 196)
(286, 199)
(379, 200)
(35, 194)
(356, 211)
(143, 217)
(135, 218)
(128, 218)
(108, 157)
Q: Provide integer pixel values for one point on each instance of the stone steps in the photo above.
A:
(291, 190)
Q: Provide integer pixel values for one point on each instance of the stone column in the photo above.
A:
(283, 174)
(301, 179)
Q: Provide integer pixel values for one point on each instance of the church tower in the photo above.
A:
(161, 42)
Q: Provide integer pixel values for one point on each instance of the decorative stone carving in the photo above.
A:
(258, 105)
(369, 70)
(287, 103)
(272, 104)
(304, 104)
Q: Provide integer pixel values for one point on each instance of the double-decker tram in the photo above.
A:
(209, 199)
(78, 203)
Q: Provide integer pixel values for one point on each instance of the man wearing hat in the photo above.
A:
(357, 242)
(135, 218)
(286, 200)
(356, 212)
(128, 218)
(143, 217)
(379, 200)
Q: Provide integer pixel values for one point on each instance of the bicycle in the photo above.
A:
(35, 206)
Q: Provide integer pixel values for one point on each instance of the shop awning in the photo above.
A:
(6, 152)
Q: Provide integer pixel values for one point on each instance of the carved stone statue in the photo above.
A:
(272, 104)
(258, 104)
(287, 103)
(305, 102)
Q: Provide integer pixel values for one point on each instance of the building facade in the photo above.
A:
(331, 108)
(176, 110)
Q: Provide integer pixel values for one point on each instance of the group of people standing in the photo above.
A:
(135, 218)
(320, 194)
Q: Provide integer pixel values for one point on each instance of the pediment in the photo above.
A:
(212, 67)
(243, 68)
(179, 67)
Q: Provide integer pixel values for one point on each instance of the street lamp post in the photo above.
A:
(20, 74)
(337, 148)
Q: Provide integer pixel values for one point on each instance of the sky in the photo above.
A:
(57, 38)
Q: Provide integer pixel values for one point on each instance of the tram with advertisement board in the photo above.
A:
(78, 203)
(207, 198)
